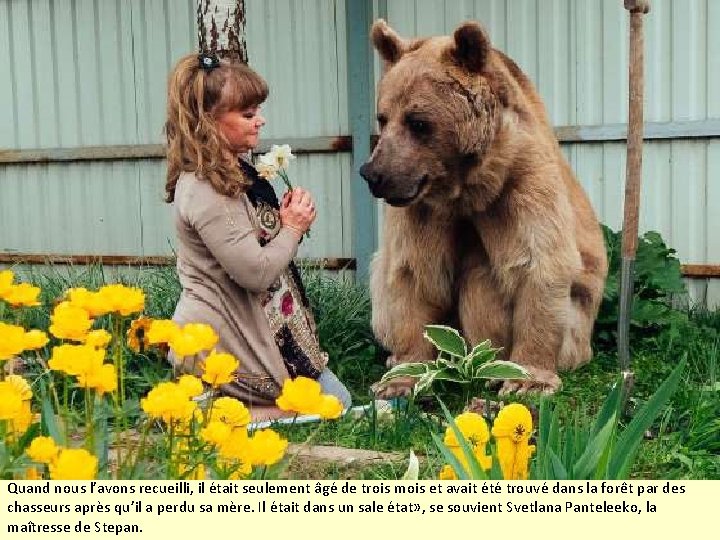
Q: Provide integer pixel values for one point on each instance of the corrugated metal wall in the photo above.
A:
(576, 53)
(93, 72)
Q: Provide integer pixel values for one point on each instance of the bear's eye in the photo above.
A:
(418, 126)
(382, 120)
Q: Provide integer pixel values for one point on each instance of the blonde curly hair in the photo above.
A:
(194, 143)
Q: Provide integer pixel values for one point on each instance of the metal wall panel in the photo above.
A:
(576, 51)
(94, 72)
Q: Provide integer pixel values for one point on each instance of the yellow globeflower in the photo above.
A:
(168, 402)
(76, 359)
(11, 401)
(231, 412)
(330, 407)
(301, 395)
(101, 377)
(121, 299)
(35, 339)
(23, 419)
(70, 322)
(22, 294)
(98, 339)
(74, 464)
(89, 301)
(21, 385)
(219, 368)
(6, 281)
(42, 449)
(162, 331)
(12, 341)
(473, 428)
(193, 339)
(266, 447)
(191, 385)
(235, 447)
(215, 433)
(137, 335)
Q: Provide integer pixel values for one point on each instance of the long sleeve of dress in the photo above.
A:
(226, 230)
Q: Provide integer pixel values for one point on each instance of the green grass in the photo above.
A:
(685, 443)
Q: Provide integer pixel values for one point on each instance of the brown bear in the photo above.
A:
(485, 225)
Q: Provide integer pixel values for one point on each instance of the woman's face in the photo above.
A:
(241, 128)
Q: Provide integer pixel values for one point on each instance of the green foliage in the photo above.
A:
(657, 279)
(454, 363)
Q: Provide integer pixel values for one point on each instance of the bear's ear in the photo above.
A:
(390, 46)
(472, 47)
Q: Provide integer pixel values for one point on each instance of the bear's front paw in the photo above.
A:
(541, 381)
(398, 387)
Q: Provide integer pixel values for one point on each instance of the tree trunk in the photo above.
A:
(221, 28)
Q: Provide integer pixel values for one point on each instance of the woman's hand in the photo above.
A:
(297, 210)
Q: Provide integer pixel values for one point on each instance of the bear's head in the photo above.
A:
(438, 110)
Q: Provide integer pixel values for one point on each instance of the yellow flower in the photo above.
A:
(169, 402)
(162, 331)
(35, 339)
(23, 419)
(98, 339)
(22, 294)
(12, 341)
(513, 421)
(218, 368)
(330, 407)
(74, 464)
(21, 386)
(301, 395)
(473, 428)
(42, 449)
(512, 429)
(192, 339)
(447, 473)
(235, 448)
(137, 335)
(101, 377)
(121, 299)
(266, 447)
(191, 385)
(6, 281)
(11, 401)
(78, 360)
(89, 301)
(70, 322)
(215, 433)
(230, 411)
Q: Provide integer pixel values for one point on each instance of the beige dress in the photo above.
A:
(226, 275)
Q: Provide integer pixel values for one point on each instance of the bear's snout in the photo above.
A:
(371, 176)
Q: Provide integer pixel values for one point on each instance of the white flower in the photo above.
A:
(282, 155)
(267, 170)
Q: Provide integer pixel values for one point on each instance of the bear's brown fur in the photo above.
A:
(486, 226)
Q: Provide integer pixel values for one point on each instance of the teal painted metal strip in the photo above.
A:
(358, 17)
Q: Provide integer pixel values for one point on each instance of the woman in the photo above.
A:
(235, 241)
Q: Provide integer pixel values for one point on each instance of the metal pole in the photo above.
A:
(637, 9)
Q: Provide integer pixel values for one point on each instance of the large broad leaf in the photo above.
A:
(449, 374)
(415, 369)
(425, 382)
(630, 439)
(556, 467)
(500, 369)
(446, 339)
(594, 451)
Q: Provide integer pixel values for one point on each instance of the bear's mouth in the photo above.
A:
(405, 201)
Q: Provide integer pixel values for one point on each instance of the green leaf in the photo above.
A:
(446, 339)
(610, 407)
(559, 472)
(415, 369)
(425, 382)
(596, 448)
(48, 419)
(501, 369)
(476, 471)
(460, 471)
(629, 441)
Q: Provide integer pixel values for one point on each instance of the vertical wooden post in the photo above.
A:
(637, 9)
